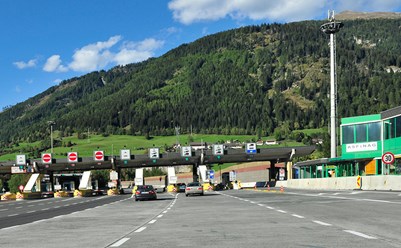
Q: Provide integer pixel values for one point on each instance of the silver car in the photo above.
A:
(194, 188)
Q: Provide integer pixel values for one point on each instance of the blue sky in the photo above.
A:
(46, 41)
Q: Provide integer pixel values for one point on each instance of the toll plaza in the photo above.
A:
(218, 154)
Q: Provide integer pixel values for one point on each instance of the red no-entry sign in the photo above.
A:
(46, 158)
(99, 156)
(72, 157)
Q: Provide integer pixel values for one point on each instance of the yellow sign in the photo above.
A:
(359, 182)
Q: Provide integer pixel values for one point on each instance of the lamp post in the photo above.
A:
(331, 28)
(51, 123)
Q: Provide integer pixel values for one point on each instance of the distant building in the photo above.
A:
(271, 142)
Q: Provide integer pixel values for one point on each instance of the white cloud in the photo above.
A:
(53, 64)
(188, 12)
(133, 52)
(94, 56)
(98, 55)
(23, 65)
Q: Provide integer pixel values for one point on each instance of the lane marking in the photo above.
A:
(253, 202)
(18, 207)
(165, 212)
(3, 209)
(11, 215)
(298, 216)
(120, 242)
(152, 221)
(29, 212)
(140, 229)
(282, 211)
(345, 198)
(45, 209)
(261, 205)
(322, 223)
(159, 216)
(360, 234)
(269, 207)
(372, 200)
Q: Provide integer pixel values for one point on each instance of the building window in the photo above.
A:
(389, 128)
(374, 131)
(398, 126)
(360, 131)
(348, 134)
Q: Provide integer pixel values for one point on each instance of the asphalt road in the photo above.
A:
(233, 218)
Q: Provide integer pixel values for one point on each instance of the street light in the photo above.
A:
(51, 123)
(331, 28)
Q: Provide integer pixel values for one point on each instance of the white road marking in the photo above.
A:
(261, 205)
(152, 221)
(45, 209)
(322, 223)
(253, 202)
(373, 200)
(18, 207)
(140, 229)
(29, 212)
(282, 211)
(269, 207)
(11, 215)
(360, 234)
(165, 212)
(120, 242)
(159, 216)
(298, 216)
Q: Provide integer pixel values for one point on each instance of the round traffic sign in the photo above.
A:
(21, 187)
(46, 158)
(72, 156)
(99, 155)
(388, 158)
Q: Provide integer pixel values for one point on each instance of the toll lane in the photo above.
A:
(233, 218)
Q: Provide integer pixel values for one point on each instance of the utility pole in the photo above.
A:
(331, 28)
(51, 123)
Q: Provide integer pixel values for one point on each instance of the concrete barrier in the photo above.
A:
(388, 182)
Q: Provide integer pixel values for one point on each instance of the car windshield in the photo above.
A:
(193, 184)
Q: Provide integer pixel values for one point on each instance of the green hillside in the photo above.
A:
(267, 80)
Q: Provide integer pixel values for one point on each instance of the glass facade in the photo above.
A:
(358, 133)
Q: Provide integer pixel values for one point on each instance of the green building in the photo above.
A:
(364, 140)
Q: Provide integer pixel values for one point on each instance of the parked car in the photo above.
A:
(145, 192)
(181, 187)
(194, 188)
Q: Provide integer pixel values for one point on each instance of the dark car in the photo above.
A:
(181, 187)
(145, 192)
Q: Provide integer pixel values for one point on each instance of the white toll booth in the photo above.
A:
(172, 178)
(139, 176)
(31, 182)
(202, 173)
(85, 182)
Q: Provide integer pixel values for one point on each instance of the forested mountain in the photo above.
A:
(251, 80)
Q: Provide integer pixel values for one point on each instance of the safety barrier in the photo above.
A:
(112, 192)
(8, 196)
